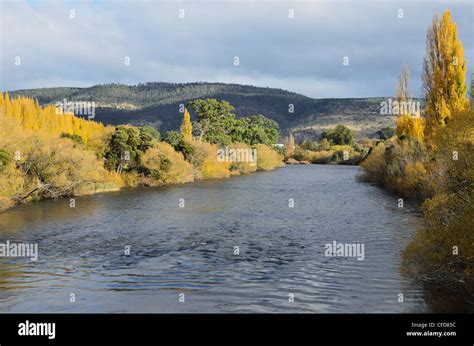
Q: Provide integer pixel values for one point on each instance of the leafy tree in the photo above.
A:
(149, 134)
(49, 118)
(177, 141)
(408, 124)
(403, 91)
(340, 135)
(256, 129)
(127, 145)
(444, 74)
(214, 120)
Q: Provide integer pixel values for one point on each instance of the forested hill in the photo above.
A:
(157, 104)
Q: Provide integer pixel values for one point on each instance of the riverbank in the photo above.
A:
(47, 154)
(337, 146)
(440, 179)
(180, 173)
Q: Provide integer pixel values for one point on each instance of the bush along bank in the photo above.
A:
(48, 154)
(336, 146)
(431, 159)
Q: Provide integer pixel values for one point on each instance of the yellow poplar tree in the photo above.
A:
(187, 126)
(444, 74)
(403, 91)
(408, 124)
(8, 106)
(47, 119)
(289, 146)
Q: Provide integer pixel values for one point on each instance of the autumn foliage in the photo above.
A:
(410, 125)
(45, 153)
(39, 163)
(187, 127)
(444, 74)
(49, 118)
(436, 165)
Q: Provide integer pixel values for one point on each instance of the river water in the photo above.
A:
(235, 246)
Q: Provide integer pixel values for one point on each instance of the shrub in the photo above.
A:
(205, 162)
(301, 154)
(398, 165)
(442, 176)
(320, 156)
(309, 145)
(13, 183)
(366, 143)
(443, 251)
(450, 210)
(242, 167)
(5, 158)
(374, 166)
(267, 158)
(164, 165)
(60, 169)
(324, 145)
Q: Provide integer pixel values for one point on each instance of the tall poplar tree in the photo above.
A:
(186, 126)
(408, 123)
(444, 74)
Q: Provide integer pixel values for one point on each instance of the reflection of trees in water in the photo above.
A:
(10, 273)
(19, 218)
(14, 272)
(443, 299)
(437, 297)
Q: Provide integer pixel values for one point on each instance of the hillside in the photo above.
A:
(157, 104)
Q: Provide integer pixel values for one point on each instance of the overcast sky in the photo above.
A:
(302, 54)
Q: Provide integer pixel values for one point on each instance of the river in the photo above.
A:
(235, 246)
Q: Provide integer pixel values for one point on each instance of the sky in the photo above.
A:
(84, 43)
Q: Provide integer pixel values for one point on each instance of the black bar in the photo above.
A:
(219, 329)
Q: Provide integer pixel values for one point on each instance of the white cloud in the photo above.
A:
(303, 54)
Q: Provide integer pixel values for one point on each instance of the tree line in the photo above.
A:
(430, 158)
(46, 153)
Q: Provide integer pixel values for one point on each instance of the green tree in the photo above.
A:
(177, 141)
(340, 135)
(256, 129)
(127, 145)
(214, 121)
(149, 134)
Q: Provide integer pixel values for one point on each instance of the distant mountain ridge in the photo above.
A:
(158, 103)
